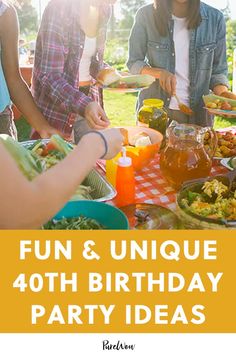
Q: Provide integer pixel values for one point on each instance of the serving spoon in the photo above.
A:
(228, 180)
(183, 108)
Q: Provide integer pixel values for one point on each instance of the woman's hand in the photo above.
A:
(221, 90)
(166, 79)
(167, 82)
(95, 116)
(113, 138)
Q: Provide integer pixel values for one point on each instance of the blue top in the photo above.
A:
(207, 56)
(4, 93)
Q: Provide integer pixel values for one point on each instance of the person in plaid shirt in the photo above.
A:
(68, 58)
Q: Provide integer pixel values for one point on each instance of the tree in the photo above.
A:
(226, 11)
(28, 17)
(231, 41)
(128, 10)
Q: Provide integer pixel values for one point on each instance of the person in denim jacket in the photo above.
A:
(182, 44)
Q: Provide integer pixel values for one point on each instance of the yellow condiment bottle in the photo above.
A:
(111, 168)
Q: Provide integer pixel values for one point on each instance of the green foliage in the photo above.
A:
(230, 39)
(128, 10)
(116, 53)
(23, 129)
(28, 17)
(120, 108)
(224, 123)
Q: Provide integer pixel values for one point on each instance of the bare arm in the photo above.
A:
(47, 193)
(19, 91)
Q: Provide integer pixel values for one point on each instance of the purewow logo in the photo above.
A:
(106, 345)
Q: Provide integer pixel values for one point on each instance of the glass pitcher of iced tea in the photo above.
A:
(184, 156)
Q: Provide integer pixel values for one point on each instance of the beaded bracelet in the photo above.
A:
(103, 138)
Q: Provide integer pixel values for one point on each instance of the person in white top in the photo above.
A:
(90, 46)
(182, 44)
(68, 58)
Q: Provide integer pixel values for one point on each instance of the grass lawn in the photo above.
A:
(23, 129)
(120, 109)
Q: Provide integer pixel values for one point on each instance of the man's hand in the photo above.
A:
(168, 82)
(166, 79)
(96, 117)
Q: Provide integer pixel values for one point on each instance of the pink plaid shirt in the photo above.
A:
(59, 48)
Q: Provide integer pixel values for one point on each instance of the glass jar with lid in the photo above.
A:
(153, 115)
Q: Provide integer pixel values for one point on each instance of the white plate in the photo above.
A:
(217, 158)
(222, 113)
(210, 98)
(137, 83)
(123, 90)
(224, 162)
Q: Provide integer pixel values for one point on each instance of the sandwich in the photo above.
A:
(108, 76)
(140, 139)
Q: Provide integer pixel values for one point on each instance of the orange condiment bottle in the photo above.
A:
(125, 181)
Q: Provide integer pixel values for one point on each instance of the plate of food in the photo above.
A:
(229, 163)
(112, 80)
(88, 215)
(151, 217)
(35, 157)
(208, 204)
(226, 144)
(224, 106)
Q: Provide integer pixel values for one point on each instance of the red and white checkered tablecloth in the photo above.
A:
(151, 187)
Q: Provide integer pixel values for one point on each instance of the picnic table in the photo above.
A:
(152, 188)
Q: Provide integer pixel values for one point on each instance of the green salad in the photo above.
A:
(215, 201)
(40, 157)
(76, 223)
